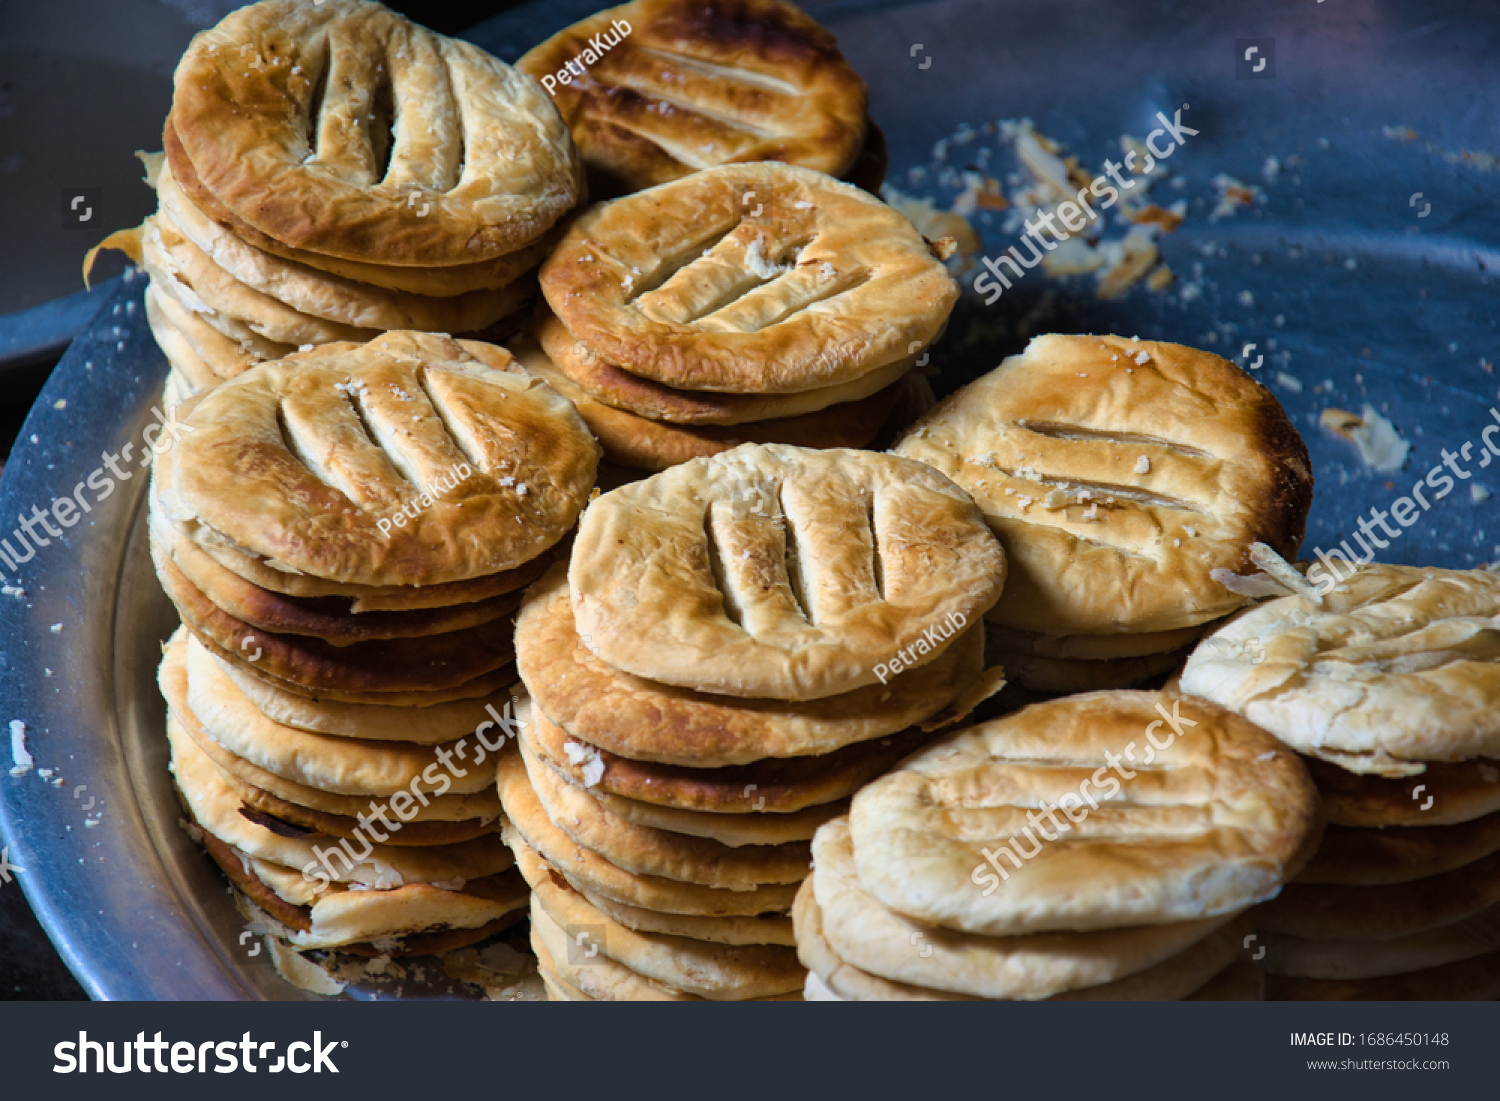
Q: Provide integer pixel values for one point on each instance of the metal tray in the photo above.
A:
(1381, 299)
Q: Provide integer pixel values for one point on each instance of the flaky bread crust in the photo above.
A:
(1398, 666)
(649, 721)
(621, 390)
(325, 295)
(636, 442)
(1051, 444)
(214, 806)
(692, 86)
(1026, 968)
(712, 970)
(299, 462)
(753, 278)
(1215, 818)
(477, 146)
(1176, 977)
(781, 573)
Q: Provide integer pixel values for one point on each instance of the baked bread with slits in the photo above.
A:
(1134, 821)
(300, 461)
(1398, 666)
(1120, 474)
(633, 441)
(340, 128)
(621, 390)
(693, 85)
(748, 278)
(777, 572)
(862, 931)
(648, 721)
(707, 968)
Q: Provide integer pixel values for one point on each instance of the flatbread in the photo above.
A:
(717, 972)
(1120, 474)
(778, 572)
(479, 143)
(214, 806)
(676, 89)
(308, 462)
(1026, 968)
(596, 876)
(748, 278)
(1212, 816)
(772, 786)
(648, 721)
(646, 851)
(1398, 666)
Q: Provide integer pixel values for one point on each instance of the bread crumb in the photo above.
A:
(1143, 465)
(21, 761)
(1380, 445)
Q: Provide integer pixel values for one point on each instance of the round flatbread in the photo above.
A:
(1120, 475)
(1354, 856)
(606, 383)
(1399, 665)
(312, 462)
(595, 876)
(1387, 912)
(644, 850)
(342, 128)
(1475, 936)
(1178, 977)
(674, 90)
(1026, 968)
(748, 278)
(1089, 812)
(214, 806)
(718, 972)
(648, 721)
(777, 786)
(636, 442)
(782, 573)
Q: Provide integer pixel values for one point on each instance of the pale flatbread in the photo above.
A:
(214, 806)
(1025, 968)
(1089, 812)
(1399, 665)
(718, 972)
(644, 850)
(590, 872)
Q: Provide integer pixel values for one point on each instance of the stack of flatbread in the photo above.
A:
(333, 171)
(760, 303)
(1390, 687)
(346, 535)
(1099, 847)
(710, 680)
(655, 89)
(1130, 482)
